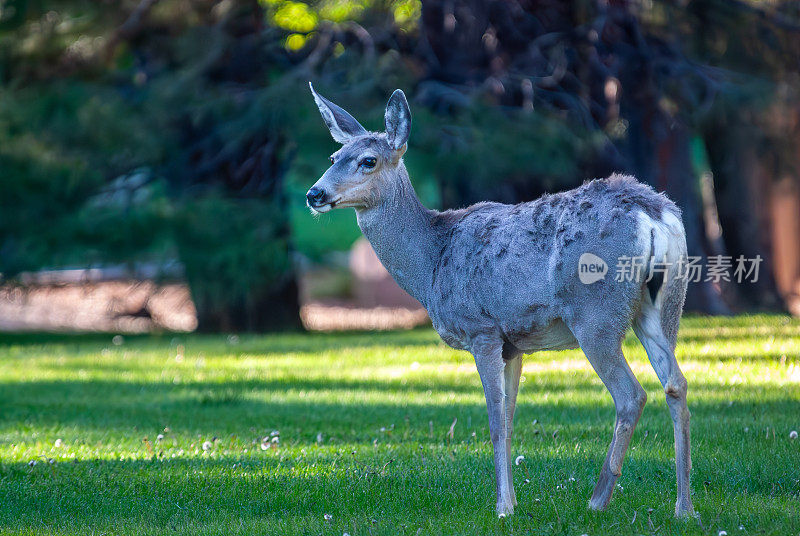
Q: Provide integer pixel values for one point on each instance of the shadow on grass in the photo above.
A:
(349, 407)
(276, 343)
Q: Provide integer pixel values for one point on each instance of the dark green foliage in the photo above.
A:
(505, 155)
(124, 145)
(234, 251)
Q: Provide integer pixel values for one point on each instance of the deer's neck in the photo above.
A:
(400, 231)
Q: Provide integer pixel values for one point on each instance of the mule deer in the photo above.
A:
(503, 280)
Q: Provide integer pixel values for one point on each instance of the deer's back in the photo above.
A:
(513, 269)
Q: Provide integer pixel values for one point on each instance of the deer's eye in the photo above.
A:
(368, 162)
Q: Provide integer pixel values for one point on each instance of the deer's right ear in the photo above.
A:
(342, 125)
(398, 120)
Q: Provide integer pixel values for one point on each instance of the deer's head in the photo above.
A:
(366, 166)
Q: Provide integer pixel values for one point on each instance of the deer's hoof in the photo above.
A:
(598, 505)
(684, 510)
(504, 509)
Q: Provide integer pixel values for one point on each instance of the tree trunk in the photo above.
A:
(265, 311)
(742, 198)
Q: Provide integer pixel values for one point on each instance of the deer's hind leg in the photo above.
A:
(603, 349)
(647, 327)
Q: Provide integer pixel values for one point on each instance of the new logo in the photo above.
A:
(591, 268)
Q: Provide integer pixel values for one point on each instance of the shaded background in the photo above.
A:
(154, 155)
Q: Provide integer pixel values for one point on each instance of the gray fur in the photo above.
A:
(502, 280)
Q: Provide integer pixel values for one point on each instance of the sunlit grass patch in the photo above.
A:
(335, 433)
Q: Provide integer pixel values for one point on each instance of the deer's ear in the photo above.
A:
(342, 125)
(398, 120)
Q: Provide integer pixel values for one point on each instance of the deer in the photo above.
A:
(501, 280)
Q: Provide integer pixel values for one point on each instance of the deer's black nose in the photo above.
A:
(315, 196)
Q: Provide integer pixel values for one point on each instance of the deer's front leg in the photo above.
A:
(491, 367)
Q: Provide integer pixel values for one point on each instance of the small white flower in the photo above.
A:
(275, 439)
(722, 533)
(32, 463)
(274, 433)
(793, 434)
(327, 517)
(206, 445)
(519, 460)
(57, 444)
(264, 446)
(741, 527)
(160, 437)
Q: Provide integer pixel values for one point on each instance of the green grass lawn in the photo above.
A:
(164, 434)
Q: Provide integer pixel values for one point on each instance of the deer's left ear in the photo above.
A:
(398, 120)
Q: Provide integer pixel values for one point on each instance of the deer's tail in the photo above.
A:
(665, 285)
